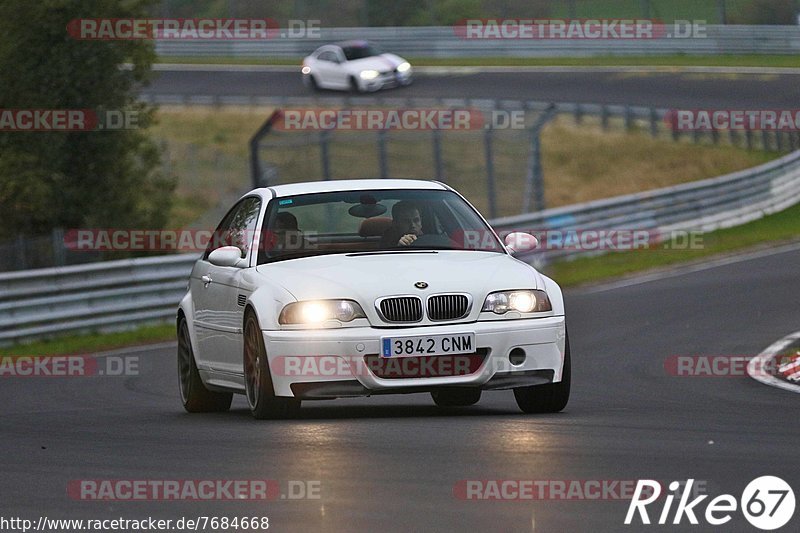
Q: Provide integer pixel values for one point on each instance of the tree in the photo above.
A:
(767, 12)
(89, 179)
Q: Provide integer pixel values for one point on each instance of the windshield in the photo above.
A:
(372, 221)
(360, 51)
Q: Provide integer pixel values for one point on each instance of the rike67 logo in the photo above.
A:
(767, 503)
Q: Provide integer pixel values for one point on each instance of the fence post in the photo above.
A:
(653, 122)
(604, 114)
(437, 155)
(534, 182)
(324, 140)
(57, 239)
(538, 178)
(490, 191)
(628, 118)
(22, 263)
(255, 140)
(382, 157)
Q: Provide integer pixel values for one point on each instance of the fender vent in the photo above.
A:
(241, 300)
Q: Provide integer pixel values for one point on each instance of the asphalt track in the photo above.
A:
(391, 463)
(660, 89)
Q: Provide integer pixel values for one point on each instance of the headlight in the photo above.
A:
(404, 66)
(369, 74)
(306, 69)
(523, 301)
(315, 312)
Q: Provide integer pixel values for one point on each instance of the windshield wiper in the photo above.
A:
(384, 252)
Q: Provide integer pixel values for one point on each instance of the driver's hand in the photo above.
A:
(406, 240)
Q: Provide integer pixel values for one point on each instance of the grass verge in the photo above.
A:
(94, 342)
(676, 60)
(779, 227)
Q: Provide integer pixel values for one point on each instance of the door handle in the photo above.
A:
(206, 279)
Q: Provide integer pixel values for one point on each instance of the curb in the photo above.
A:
(764, 360)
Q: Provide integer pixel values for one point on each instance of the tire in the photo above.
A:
(196, 398)
(312, 82)
(354, 87)
(456, 397)
(257, 379)
(549, 398)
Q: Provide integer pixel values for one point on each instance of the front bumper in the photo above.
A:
(329, 363)
(388, 79)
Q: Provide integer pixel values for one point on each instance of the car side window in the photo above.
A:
(237, 227)
(328, 56)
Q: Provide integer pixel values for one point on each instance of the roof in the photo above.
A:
(291, 189)
(356, 43)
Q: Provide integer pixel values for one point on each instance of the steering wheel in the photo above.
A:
(433, 240)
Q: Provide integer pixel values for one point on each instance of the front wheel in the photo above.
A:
(195, 396)
(549, 398)
(257, 379)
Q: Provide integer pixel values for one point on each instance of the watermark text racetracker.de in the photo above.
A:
(786, 366)
(68, 366)
(578, 29)
(222, 29)
(192, 489)
(682, 120)
(184, 240)
(68, 120)
(551, 489)
(404, 119)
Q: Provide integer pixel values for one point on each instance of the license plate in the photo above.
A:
(458, 343)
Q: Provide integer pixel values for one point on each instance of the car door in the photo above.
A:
(218, 313)
(331, 70)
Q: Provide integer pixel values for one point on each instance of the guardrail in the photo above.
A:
(701, 206)
(100, 296)
(118, 294)
(443, 42)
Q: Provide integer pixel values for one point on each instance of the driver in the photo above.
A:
(406, 225)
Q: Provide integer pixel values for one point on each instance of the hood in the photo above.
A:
(365, 278)
(381, 63)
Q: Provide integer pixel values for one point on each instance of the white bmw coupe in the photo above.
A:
(335, 289)
(356, 66)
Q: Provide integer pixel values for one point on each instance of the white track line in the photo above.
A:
(683, 270)
(764, 359)
(645, 69)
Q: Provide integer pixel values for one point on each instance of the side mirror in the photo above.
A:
(227, 256)
(519, 241)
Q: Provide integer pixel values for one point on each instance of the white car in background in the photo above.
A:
(356, 66)
(316, 291)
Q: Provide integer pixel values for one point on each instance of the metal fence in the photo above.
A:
(444, 42)
(499, 168)
(116, 294)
